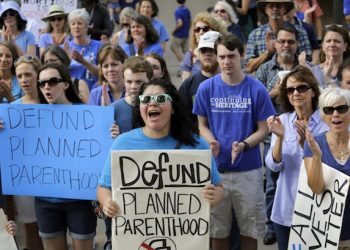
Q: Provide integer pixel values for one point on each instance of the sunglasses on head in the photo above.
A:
(342, 109)
(58, 18)
(53, 81)
(300, 89)
(26, 58)
(160, 99)
(9, 13)
(204, 28)
(219, 11)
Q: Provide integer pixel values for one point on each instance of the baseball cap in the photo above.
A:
(208, 39)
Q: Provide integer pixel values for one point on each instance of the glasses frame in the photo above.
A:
(341, 109)
(220, 11)
(154, 98)
(52, 82)
(204, 28)
(9, 12)
(25, 58)
(58, 18)
(300, 89)
(284, 41)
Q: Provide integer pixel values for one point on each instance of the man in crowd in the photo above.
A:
(260, 45)
(232, 109)
(271, 74)
(210, 67)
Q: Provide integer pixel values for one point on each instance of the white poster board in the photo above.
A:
(159, 195)
(317, 219)
(6, 239)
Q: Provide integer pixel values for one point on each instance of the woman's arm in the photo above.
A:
(213, 194)
(109, 207)
(313, 165)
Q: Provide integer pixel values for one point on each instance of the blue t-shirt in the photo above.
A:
(152, 48)
(123, 115)
(327, 158)
(136, 139)
(161, 30)
(77, 70)
(183, 13)
(95, 97)
(46, 40)
(233, 113)
(25, 39)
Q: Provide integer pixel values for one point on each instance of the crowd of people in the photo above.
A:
(263, 94)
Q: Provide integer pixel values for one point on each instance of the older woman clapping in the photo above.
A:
(299, 99)
(82, 50)
(331, 148)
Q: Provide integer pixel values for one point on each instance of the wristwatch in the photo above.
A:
(246, 146)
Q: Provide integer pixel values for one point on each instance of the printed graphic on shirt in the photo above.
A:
(232, 104)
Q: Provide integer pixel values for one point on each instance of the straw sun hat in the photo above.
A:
(55, 11)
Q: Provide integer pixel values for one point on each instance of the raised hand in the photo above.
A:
(215, 148)
(315, 148)
(275, 126)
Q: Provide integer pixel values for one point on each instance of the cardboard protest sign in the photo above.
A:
(159, 195)
(53, 150)
(317, 219)
(6, 239)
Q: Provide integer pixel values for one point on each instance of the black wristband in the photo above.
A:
(246, 146)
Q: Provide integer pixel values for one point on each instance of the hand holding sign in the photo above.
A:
(8, 229)
(110, 208)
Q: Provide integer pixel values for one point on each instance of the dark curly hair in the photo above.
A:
(300, 74)
(181, 125)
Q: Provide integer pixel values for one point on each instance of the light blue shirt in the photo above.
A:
(289, 167)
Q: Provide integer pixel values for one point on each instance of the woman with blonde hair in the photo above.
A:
(57, 28)
(202, 23)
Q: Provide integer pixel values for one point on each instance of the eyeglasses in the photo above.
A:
(283, 41)
(204, 28)
(219, 11)
(58, 18)
(125, 25)
(342, 109)
(206, 50)
(52, 82)
(26, 58)
(159, 99)
(9, 13)
(300, 89)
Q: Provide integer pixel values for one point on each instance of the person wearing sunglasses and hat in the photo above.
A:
(57, 28)
(331, 148)
(260, 41)
(13, 24)
(299, 100)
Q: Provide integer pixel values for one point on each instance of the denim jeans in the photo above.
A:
(282, 235)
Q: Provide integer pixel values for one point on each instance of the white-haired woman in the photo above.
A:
(226, 13)
(331, 148)
(82, 50)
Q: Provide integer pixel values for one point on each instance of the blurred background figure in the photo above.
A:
(179, 43)
(126, 15)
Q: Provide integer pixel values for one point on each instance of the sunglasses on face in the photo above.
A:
(206, 50)
(26, 58)
(159, 99)
(58, 18)
(342, 109)
(52, 82)
(283, 41)
(219, 11)
(300, 89)
(204, 28)
(125, 25)
(9, 13)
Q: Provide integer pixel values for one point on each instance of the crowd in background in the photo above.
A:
(258, 77)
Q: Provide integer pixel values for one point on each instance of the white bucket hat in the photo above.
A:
(13, 6)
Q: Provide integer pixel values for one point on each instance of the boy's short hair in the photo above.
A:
(231, 42)
(138, 64)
